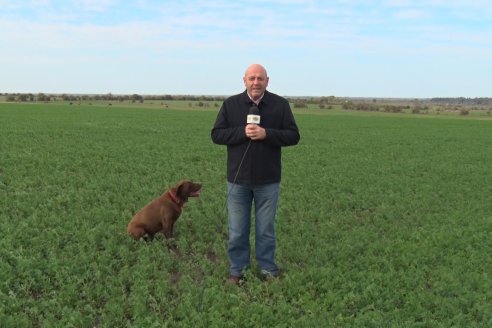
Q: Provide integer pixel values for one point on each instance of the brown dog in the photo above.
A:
(162, 213)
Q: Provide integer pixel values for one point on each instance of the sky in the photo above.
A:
(341, 48)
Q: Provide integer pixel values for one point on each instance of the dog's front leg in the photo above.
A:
(168, 230)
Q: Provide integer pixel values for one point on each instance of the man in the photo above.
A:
(253, 169)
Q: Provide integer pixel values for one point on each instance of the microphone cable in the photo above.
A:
(238, 169)
(252, 110)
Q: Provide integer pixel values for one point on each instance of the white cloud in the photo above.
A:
(412, 14)
(93, 5)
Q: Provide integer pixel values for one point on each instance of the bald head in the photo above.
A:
(255, 80)
(256, 68)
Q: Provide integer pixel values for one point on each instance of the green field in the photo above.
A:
(384, 221)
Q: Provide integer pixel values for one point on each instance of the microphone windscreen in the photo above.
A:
(253, 110)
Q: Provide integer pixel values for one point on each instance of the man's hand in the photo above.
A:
(255, 132)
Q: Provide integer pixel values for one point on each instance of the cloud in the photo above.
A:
(93, 5)
(412, 14)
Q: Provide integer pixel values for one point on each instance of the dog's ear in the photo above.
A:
(182, 189)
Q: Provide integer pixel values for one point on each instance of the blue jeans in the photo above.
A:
(239, 203)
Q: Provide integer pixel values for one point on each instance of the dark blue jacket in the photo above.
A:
(262, 163)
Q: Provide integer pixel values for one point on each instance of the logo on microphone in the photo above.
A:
(253, 119)
(253, 116)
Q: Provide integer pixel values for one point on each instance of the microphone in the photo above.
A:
(253, 116)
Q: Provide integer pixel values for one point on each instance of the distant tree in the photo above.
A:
(43, 97)
(300, 104)
(348, 105)
(22, 97)
(135, 98)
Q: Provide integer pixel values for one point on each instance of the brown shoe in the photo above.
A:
(233, 280)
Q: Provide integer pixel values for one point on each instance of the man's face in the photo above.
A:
(255, 81)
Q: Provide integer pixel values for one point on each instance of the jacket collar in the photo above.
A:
(245, 98)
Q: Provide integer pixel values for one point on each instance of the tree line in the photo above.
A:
(299, 102)
(30, 97)
(463, 101)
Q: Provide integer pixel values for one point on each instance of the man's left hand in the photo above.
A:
(255, 132)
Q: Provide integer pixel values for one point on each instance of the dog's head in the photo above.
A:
(185, 189)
